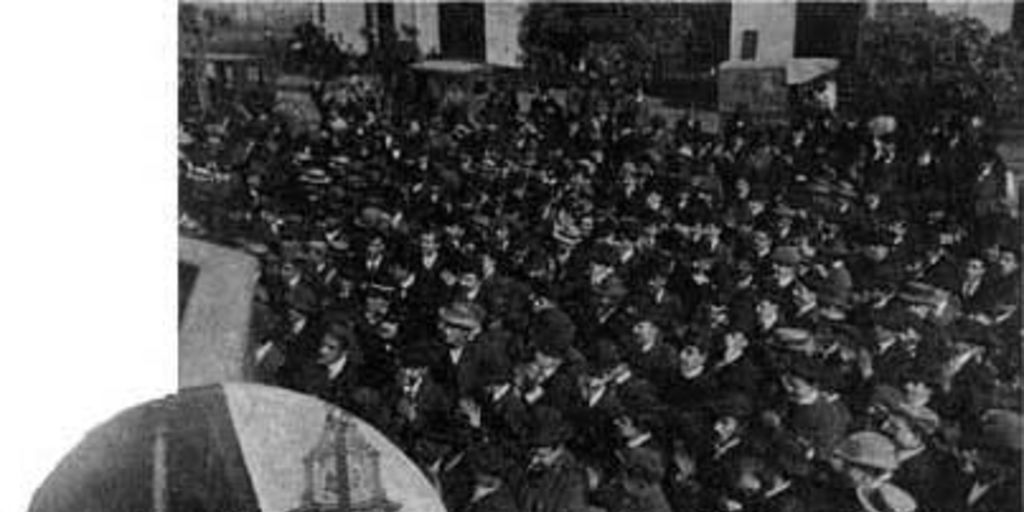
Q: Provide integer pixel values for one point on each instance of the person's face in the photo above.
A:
(742, 188)
(1007, 262)
(804, 297)
(918, 393)
(586, 225)
(469, 280)
(547, 362)
(658, 282)
(762, 242)
(691, 358)
(899, 430)
(796, 387)
(873, 201)
(429, 243)
(331, 349)
(975, 268)
(784, 272)
(735, 341)
(626, 427)
(410, 377)
(757, 206)
(375, 247)
(289, 271)
(654, 201)
(856, 476)
(646, 332)
(454, 335)
(725, 428)
(767, 311)
(991, 254)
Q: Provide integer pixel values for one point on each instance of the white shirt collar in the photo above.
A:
(639, 440)
(455, 353)
(334, 369)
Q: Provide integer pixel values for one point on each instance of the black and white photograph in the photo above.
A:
(526, 256)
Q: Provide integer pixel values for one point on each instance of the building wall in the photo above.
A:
(345, 21)
(775, 23)
(423, 16)
(996, 15)
(501, 32)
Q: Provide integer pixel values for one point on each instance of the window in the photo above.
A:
(748, 47)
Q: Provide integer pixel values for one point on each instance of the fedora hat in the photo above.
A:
(463, 314)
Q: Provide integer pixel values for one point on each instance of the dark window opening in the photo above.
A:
(748, 47)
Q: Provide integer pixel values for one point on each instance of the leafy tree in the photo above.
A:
(915, 63)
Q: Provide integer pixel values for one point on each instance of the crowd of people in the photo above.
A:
(576, 306)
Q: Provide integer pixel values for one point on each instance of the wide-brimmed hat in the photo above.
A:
(787, 255)
(895, 402)
(463, 314)
(792, 338)
(870, 449)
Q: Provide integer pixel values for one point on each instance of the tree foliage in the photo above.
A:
(918, 63)
(614, 44)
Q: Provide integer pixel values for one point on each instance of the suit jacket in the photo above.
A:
(432, 408)
(559, 488)
(657, 365)
(501, 500)
(314, 379)
(463, 378)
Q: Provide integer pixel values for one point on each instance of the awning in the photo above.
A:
(241, 447)
(452, 67)
(798, 71)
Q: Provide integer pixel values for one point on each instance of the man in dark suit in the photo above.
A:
(335, 375)
(555, 481)
(459, 370)
(650, 356)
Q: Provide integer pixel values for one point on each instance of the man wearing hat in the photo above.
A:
(606, 313)
(417, 403)
(491, 490)
(554, 480)
(650, 355)
(993, 462)
(499, 413)
(459, 372)
(637, 485)
(933, 476)
(866, 460)
(814, 420)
